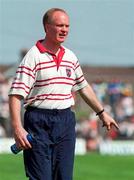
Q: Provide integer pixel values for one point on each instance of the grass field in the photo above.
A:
(88, 167)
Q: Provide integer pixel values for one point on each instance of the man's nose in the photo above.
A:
(64, 28)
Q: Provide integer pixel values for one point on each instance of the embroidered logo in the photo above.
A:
(68, 72)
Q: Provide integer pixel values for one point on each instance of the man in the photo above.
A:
(45, 80)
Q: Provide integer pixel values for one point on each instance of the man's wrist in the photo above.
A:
(100, 112)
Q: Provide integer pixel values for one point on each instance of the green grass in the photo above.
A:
(88, 167)
(97, 167)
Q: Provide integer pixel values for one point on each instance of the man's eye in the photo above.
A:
(59, 25)
(62, 25)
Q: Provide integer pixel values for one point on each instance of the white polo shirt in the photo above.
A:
(47, 81)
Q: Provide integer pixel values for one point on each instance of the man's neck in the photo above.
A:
(50, 46)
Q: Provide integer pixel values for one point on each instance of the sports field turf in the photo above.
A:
(88, 167)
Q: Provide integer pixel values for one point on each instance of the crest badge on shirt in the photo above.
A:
(68, 72)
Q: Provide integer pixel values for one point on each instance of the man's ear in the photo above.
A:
(46, 28)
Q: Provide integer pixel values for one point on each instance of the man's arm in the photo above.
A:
(15, 112)
(90, 98)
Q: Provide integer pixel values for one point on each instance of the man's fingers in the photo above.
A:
(20, 143)
(109, 125)
(24, 144)
(116, 125)
(28, 145)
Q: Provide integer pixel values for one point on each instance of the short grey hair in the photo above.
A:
(48, 15)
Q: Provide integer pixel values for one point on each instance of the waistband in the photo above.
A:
(48, 111)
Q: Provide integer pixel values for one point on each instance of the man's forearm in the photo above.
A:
(20, 134)
(90, 98)
(15, 111)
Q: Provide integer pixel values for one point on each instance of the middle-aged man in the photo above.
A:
(44, 81)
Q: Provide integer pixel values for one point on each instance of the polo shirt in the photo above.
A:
(47, 81)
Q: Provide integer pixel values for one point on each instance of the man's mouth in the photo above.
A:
(62, 35)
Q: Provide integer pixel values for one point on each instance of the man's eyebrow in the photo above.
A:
(62, 24)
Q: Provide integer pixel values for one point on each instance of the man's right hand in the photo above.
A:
(20, 135)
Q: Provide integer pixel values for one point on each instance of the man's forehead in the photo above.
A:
(58, 14)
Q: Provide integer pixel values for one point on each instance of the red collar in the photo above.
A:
(57, 58)
(42, 49)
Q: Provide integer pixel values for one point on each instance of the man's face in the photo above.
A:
(57, 29)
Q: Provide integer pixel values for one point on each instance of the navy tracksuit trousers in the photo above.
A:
(52, 153)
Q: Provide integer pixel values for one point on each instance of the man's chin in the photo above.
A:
(61, 40)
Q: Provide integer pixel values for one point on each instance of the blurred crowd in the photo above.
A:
(117, 98)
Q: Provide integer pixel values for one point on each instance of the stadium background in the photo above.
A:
(107, 62)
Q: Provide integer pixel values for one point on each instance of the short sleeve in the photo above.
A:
(25, 76)
(80, 81)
